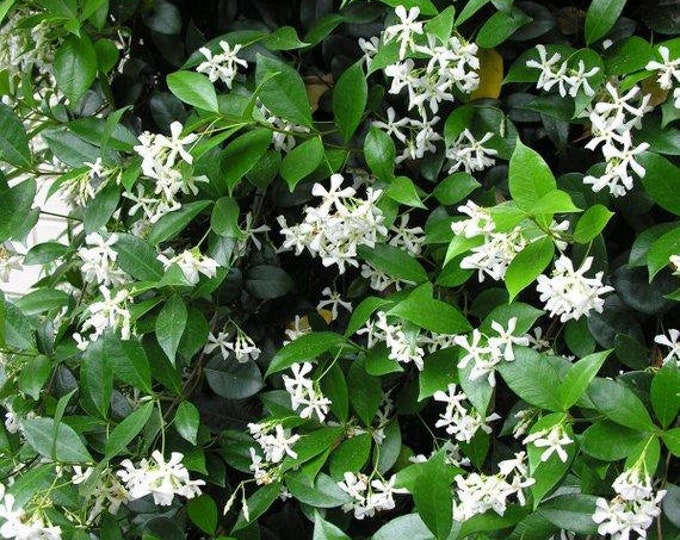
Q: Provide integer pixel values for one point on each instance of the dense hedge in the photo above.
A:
(358, 269)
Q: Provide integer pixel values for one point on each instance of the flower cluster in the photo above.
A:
(338, 226)
(305, 393)
(568, 293)
(450, 66)
(161, 156)
(108, 492)
(109, 313)
(667, 70)
(243, 347)
(222, 66)
(99, 264)
(159, 478)
(486, 352)
(477, 493)
(553, 440)
(368, 496)
(612, 120)
(497, 249)
(9, 260)
(634, 508)
(23, 526)
(191, 262)
(458, 420)
(276, 443)
(470, 153)
(555, 72)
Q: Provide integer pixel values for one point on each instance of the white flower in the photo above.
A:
(191, 262)
(159, 478)
(633, 509)
(99, 261)
(404, 30)
(505, 339)
(368, 496)
(111, 312)
(299, 327)
(457, 419)
(276, 447)
(667, 69)
(485, 357)
(469, 153)
(391, 127)
(334, 300)
(495, 255)
(410, 239)
(304, 393)
(547, 77)
(9, 260)
(674, 261)
(370, 48)
(402, 348)
(553, 440)
(568, 293)
(672, 341)
(568, 81)
(479, 223)
(221, 66)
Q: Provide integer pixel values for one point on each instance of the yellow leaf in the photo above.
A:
(490, 74)
(316, 87)
(650, 86)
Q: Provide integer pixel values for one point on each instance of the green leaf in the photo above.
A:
(187, 421)
(41, 300)
(284, 38)
(258, 503)
(351, 455)
(129, 361)
(671, 439)
(620, 404)
(34, 375)
(660, 251)
(46, 252)
(170, 326)
(99, 211)
(555, 202)
(349, 99)
(164, 18)
(530, 178)
(601, 17)
(573, 512)
(366, 393)
(323, 530)
(426, 7)
(441, 26)
(395, 262)
(13, 140)
(334, 387)
(96, 376)
(665, 393)
(305, 348)
(266, 281)
(193, 89)
(55, 441)
(532, 378)
(202, 511)
(75, 66)
(302, 161)
(608, 441)
(408, 527)
(579, 377)
(661, 181)
(282, 90)
(325, 493)
(380, 153)
(232, 379)
(127, 430)
(500, 26)
(242, 154)
(402, 190)
(16, 204)
(528, 264)
(363, 312)
(433, 498)
(224, 218)
(455, 188)
(440, 370)
(311, 445)
(591, 223)
(457, 122)
(170, 225)
(431, 314)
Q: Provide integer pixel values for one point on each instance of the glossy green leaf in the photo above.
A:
(75, 66)
(193, 89)
(579, 377)
(600, 18)
(302, 161)
(620, 404)
(350, 95)
(170, 326)
(528, 264)
(304, 349)
(127, 430)
(13, 139)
